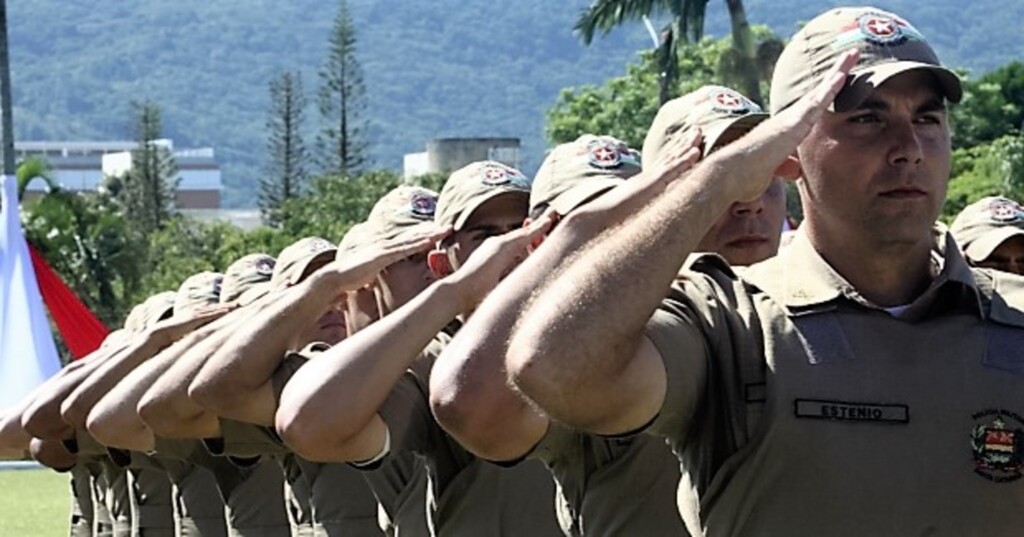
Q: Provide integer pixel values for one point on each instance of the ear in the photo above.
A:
(438, 262)
(790, 169)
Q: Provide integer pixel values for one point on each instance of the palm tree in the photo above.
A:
(33, 168)
(686, 26)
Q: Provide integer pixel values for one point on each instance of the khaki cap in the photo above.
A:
(985, 224)
(255, 292)
(356, 238)
(716, 110)
(151, 310)
(888, 46)
(295, 258)
(247, 271)
(473, 185)
(575, 172)
(402, 210)
(116, 338)
(198, 290)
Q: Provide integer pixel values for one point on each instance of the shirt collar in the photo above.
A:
(807, 280)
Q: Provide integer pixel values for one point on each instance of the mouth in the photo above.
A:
(747, 241)
(904, 193)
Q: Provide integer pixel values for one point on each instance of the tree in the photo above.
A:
(286, 173)
(625, 106)
(342, 101)
(993, 106)
(146, 190)
(29, 170)
(992, 169)
(747, 65)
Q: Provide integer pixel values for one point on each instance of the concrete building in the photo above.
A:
(444, 155)
(81, 166)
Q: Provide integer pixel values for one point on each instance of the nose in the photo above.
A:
(745, 209)
(906, 145)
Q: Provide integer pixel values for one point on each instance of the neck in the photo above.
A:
(888, 274)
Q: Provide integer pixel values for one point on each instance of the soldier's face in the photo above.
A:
(496, 216)
(403, 280)
(878, 174)
(750, 231)
(1008, 257)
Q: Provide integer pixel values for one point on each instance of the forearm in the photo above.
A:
(246, 363)
(114, 421)
(42, 417)
(166, 407)
(12, 434)
(76, 407)
(358, 374)
(576, 338)
(469, 390)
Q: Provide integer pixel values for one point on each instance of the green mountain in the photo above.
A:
(433, 69)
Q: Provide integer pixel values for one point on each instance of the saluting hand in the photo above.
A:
(494, 259)
(362, 267)
(756, 158)
(176, 327)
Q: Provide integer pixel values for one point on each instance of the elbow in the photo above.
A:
(468, 419)
(215, 396)
(306, 436)
(150, 412)
(527, 371)
(74, 412)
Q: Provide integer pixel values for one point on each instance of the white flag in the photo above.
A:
(28, 355)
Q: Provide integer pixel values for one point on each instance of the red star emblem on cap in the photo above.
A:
(728, 100)
(604, 155)
(880, 27)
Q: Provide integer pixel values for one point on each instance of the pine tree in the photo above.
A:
(146, 191)
(285, 177)
(342, 101)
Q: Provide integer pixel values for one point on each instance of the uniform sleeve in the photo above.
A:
(700, 329)
(246, 440)
(559, 443)
(406, 411)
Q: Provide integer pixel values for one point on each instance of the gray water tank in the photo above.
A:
(445, 155)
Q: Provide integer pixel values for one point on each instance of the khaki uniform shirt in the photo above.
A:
(612, 486)
(198, 505)
(246, 440)
(466, 496)
(342, 502)
(799, 408)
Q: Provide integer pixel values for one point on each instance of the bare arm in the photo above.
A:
(52, 454)
(237, 382)
(359, 373)
(76, 407)
(166, 407)
(469, 390)
(41, 417)
(579, 349)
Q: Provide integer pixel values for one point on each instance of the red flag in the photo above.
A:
(81, 330)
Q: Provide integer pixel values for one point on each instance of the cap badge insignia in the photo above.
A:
(318, 245)
(603, 154)
(997, 446)
(881, 30)
(495, 176)
(730, 102)
(1004, 210)
(264, 267)
(423, 206)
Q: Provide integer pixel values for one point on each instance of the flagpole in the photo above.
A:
(6, 121)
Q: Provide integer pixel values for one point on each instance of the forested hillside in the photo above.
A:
(434, 68)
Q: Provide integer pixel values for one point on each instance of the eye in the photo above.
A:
(870, 117)
(930, 119)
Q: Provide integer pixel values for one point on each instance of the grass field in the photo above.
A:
(33, 503)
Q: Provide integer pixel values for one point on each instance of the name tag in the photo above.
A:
(847, 411)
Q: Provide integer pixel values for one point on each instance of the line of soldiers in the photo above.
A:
(552, 357)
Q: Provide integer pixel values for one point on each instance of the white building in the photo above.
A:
(82, 165)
